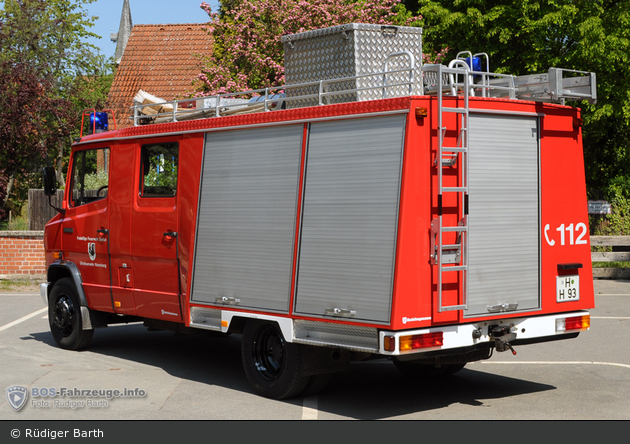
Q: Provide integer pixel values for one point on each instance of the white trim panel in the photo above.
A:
(460, 336)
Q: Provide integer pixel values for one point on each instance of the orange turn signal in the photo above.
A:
(426, 340)
(421, 112)
(573, 323)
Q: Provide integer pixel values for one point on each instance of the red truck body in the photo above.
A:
(330, 233)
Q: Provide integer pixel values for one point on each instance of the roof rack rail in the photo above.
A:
(557, 85)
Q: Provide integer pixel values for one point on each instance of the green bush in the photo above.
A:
(95, 180)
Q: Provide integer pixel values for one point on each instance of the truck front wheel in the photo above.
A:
(64, 316)
(272, 365)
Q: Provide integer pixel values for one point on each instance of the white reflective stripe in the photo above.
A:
(22, 319)
(309, 409)
(612, 364)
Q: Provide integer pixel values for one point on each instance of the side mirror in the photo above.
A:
(50, 181)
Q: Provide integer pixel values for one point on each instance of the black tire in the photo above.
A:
(64, 316)
(272, 365)
(414, 369)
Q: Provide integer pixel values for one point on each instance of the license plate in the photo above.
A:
(567, 288)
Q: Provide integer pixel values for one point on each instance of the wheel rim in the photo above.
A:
(64, 314)
(269, 352)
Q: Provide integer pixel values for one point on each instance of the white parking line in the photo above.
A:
(613, 294)
(22, 319)
(613, 364)
(610, 317)
(309, 409)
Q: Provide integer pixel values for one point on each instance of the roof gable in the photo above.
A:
(159, 59)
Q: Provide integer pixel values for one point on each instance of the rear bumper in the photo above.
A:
(524, 330)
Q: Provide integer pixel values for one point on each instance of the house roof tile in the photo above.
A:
(159, 59)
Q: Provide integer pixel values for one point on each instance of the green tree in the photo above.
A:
(530, 36)
(248, 52)
(49, 37)
(51, 34)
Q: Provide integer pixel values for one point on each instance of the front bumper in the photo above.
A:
(43, 292)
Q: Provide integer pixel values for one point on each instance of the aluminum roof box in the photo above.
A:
(351, 50)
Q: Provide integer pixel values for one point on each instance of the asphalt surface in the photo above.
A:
(200, 377)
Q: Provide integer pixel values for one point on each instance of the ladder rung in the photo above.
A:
(451, 247)
(454, 268)
(454, 110)
(451, 229)
(454, 189)
(457, 149)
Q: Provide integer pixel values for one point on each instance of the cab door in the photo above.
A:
(154, 228)
(86, 224)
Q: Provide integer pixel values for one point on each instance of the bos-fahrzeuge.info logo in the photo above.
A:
(17, 396)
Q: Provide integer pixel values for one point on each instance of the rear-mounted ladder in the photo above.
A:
(452, 258)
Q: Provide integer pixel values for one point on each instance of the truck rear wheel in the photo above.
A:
(272, 365)
(64, 316)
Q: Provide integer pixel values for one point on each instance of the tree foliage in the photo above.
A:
(52, 35)
(248, 52)
(530, 36)
(49, 75)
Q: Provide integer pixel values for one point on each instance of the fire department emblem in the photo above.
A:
(92, 250)
(17, 396)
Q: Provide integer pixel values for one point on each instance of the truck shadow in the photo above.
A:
(371, 390)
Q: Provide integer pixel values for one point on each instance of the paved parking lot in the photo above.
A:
(201, 376)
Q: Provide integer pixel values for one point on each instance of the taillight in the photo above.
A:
(389, 343)
(573, 323)
(426, 340)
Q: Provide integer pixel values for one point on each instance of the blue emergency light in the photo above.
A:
(98, 123)
(476, 63)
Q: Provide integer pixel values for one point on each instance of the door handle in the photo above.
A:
(102, 231)
(170, 234)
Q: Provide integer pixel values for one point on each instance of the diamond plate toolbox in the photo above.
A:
(351, 50)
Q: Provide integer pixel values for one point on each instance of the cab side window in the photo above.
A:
(159, 169)
(90, 176)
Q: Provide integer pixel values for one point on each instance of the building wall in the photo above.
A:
(22, 253)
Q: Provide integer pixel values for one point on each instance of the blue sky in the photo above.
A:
(143, 12)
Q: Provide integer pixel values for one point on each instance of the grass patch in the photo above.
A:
(17, 224)
(614, 264)
(18, 285)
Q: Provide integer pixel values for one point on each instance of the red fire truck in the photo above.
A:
(427, 214)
